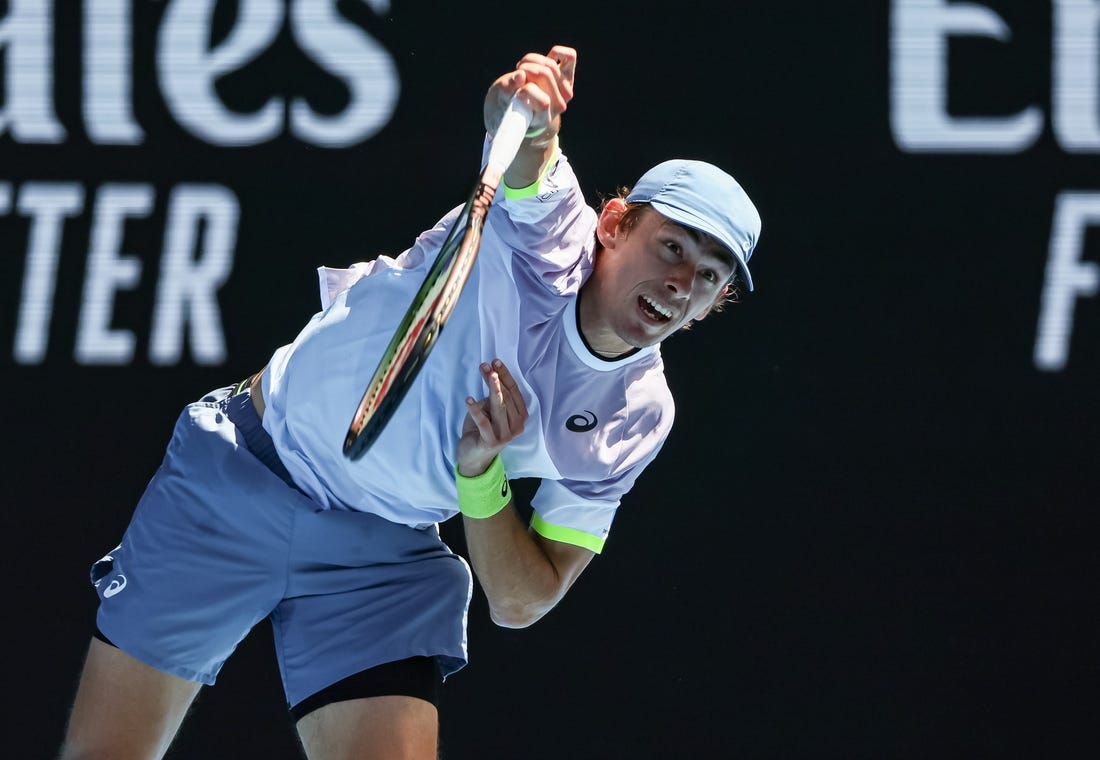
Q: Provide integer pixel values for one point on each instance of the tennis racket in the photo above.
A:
(433, 303)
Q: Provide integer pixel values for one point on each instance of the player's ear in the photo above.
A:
(607, 227)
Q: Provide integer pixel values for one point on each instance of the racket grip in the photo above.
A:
(509, 136)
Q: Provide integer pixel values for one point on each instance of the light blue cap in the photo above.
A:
(703, 197)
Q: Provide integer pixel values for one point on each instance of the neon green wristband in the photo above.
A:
(486, 494)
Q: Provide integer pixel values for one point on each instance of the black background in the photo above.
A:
(872, 531)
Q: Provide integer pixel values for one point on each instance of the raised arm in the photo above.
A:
(523, 574)
(545, 84)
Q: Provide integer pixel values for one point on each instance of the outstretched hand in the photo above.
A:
(491, 423)
(543, 82)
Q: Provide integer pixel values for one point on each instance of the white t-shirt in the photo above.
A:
(594, 424)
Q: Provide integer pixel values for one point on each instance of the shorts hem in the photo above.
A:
(187, 674)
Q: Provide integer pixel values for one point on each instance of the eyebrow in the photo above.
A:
(708, 243)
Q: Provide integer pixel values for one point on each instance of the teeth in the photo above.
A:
(664, 311)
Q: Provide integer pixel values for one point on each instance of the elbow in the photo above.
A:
(516, 615)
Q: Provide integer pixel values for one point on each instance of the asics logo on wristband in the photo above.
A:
(504, 490)
(581, 423)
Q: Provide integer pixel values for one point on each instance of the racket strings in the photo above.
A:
(424, 320)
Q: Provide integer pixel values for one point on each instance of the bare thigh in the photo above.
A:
(124, 708)
(395, 728)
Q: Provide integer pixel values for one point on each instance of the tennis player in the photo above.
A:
(549, 368)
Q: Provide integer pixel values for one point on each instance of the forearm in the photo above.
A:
(530, 162)
(523, 574)
(520, 580)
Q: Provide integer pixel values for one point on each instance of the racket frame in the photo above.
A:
(435, 301)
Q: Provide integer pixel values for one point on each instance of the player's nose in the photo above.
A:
(679, 277)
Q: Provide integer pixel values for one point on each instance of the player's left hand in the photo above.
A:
(491, 423)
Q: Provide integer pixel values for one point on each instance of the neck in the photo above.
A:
(595, 331)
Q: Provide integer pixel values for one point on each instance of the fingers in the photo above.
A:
(553, 74)
(508, 84)
(543, 82)
(502, 414)
(566, 58)
(506, 407)
(481, 420)
(516, 84)
(498, 407)
(510, 394)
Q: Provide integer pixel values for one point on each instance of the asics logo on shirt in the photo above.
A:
(115, 587)
(581, 423)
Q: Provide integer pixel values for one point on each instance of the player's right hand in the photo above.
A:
(543, 82)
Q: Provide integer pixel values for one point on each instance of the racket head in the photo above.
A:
(365, 430)
(418, 332)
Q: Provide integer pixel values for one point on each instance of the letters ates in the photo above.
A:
(192, 55)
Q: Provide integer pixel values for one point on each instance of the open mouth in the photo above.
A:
(654, 310)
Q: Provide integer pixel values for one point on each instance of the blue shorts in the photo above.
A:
(221, 539)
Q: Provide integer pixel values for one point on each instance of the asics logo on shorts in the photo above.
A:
(115, 587)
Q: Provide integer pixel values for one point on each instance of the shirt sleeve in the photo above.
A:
(334, 280)
(548, 226)
(581, 512)
(560, 514)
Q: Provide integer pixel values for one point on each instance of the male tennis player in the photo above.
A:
(255, 513)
